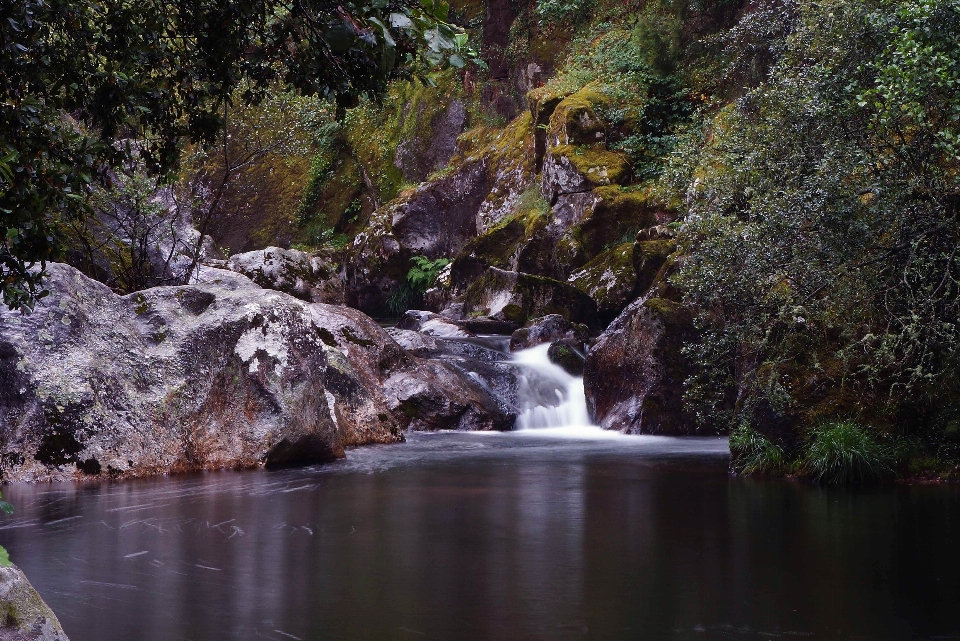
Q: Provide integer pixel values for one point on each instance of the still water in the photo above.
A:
(547, 535)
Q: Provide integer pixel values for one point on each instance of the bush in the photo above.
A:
(753, 453)
(844, 453)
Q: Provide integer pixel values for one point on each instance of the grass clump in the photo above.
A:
(753, 453)
(844, 453)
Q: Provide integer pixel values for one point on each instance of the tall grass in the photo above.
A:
(845, 453)
(753, 453)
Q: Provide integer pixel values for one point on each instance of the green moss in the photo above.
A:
(600, 166)
(327, 336)
(649, 258)
(671, 313)
(142, 306)
(609, 279)
(353, 338)
(575, 121)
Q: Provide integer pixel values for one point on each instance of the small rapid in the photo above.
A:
(547, 395)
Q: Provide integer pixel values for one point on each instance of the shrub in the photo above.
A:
(845, 453)
(424, 272)
(753, 453)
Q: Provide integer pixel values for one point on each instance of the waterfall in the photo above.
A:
(547, 395)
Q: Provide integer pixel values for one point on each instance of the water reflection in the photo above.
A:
(463, 536)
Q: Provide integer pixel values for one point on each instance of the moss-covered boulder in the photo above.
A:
(610, 280)
(23, 614)
(650, 259)
(570, 169)
(517, 297)
(574, 120)
(567, 355)
(634, 375)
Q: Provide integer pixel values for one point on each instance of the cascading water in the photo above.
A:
(547, 395)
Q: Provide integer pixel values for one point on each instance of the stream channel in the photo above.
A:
(556, 531)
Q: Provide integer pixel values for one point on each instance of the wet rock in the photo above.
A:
(438, 397)
(23, 614)
(570, 170)
(432, 324)
(430, 151)
(309, 278)
(634, 375)
(548, 329)
(567, 354)
(217, 374)
(517, 297)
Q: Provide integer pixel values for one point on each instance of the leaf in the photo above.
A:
(457, 61)
(4, 558)
(7, 508)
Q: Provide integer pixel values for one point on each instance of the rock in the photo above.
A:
(309, 278)
(634, 375)
(570, 170)
(517, 297)
(567, 355)
(420, 155)
(217, 374)
(23, 614)
(548, 329)
(649, 259)
(436, 395)
(610, 280)
(440, 217)
(431, 324)
(574, 120)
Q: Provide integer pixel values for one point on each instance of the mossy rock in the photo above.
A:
(518, 297)
(598, 166)
(566, 356)
(498, 247)
(610, 280)
(615, 219)
(575, 122)
(649, 259)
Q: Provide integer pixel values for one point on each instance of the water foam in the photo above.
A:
(548, 396)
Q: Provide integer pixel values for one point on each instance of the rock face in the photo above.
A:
(23, 614)
(309, 278)
(634, 375)
(517, 297)
(219, 374)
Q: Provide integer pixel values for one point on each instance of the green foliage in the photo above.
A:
(753, 453)
(563, 10)
(844, 453)
(88, 86)
(821, 213)
(423, 274)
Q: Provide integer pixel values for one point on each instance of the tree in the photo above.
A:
(88, 85)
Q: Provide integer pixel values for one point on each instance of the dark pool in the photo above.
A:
(480, 536)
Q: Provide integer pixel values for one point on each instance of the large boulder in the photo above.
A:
(217, 374)
(308, 277)
(23, 614)
(518, 297)
(634, 375)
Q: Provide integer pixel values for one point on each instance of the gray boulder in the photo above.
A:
(213, 375)
(517, 297)
(23, 614)
(309, 278)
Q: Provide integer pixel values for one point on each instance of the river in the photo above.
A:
(547, 533)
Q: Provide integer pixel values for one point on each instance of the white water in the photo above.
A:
(548, 396)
